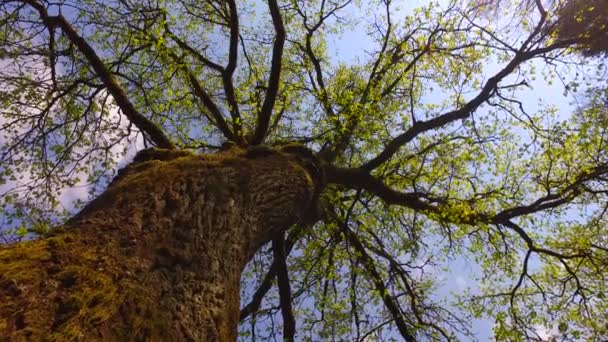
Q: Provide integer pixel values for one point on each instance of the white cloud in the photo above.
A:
(545, 333)
(461, 283)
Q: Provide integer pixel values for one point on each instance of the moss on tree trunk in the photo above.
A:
(158, 256)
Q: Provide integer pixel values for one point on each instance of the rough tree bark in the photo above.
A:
(159, 255)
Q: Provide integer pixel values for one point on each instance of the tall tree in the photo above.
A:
(328, 190)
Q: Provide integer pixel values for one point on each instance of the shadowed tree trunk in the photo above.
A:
(159, 255)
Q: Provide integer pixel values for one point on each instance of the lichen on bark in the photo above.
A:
(159, 255)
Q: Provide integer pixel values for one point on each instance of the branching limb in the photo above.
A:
(317, 80)
(461, 113)
(368, 264)
(204, 97)
(266, 284)
(360, 179)
(231, 67)
(289, 323)
(154, 132)
(263, 119)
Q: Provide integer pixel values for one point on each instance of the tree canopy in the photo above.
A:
(435, 146)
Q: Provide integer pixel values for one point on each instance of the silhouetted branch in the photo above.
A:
(263, 119)
(204, 97)
(229, 71)
(289, 323)
(390, 303)
(266, 284)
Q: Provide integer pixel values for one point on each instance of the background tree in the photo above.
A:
(420, 152)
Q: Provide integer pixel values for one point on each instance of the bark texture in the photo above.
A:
(159, 255)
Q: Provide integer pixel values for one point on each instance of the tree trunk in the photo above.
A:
(159, 255)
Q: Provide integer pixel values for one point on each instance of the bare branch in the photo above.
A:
(204, 97)
(263, 119)
(289, 323)
(263, 289)
(368, 264)
(229, 71)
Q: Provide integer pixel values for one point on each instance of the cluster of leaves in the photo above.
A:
(431, 148)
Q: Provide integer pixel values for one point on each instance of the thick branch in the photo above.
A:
(461, 113)
(263, 289)
(259, 294)
(289, 322)
(368, 264)
(361, 179)
(565, 195)
(144, 124)
(210, 105)
(358, 178)
(263, 120)
(205, 98)
(229, 71)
